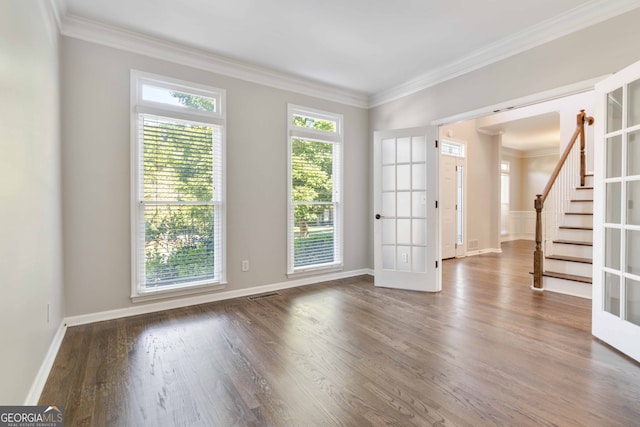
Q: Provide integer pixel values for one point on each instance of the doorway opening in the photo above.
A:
(452, 198)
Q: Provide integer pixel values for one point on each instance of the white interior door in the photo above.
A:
(406, 247)
(448, 202)
(616, 266)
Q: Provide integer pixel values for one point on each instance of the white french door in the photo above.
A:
(616, 266)
(406, 247)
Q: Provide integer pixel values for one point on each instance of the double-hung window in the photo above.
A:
(315, 190)
(178, 188)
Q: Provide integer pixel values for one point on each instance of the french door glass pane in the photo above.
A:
(612, 293)
(633, 117)
(633, 301)
(404, 150)
(633, 252)
(388, 204)
(612, 248)
(614, 156)
(612, 215)
(633, 153)
(633, 203)
(404, 204)
(614, 110)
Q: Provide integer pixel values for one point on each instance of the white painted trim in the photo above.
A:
(536, 98)
(130, 41)
(203, 299)
(43, 373)
(484, 251)
(590, 13)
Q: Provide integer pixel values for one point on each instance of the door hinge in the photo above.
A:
(456, 246)
(436, 204)
(436, 264)
(456, 207)
(436, 143)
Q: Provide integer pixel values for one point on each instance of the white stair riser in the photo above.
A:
(578, 251)
(584, 194)
(578, 220)
(588, 181)
(568, 267)
(569, 287)
(575, 235)
(586, 207)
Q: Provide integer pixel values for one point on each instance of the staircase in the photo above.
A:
(568, 257)
(562, 261)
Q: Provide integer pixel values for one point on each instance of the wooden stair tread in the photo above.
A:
(574, 242)
(580, 200)
(569, 258)
(573, 277)
(578, 213)
(571, 227)
(584, 188)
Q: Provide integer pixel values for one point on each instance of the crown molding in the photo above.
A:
(131, 41)
(590, 13)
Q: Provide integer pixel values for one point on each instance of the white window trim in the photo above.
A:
(337, 138)
(140, 106)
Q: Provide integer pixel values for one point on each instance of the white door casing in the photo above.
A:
(406, 246)
(616, 256)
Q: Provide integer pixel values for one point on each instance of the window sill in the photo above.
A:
(157, 294)
(314, 271)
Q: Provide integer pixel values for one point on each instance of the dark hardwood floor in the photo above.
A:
(484, 351)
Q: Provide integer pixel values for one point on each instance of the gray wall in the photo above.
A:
(30, 212)
(96, 200)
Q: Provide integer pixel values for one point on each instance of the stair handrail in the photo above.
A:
(538, 254)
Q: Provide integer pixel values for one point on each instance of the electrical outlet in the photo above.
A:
(245, 265)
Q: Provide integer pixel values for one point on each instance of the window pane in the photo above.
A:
(612, 293)
(314, 234)
(633, 153)
(634, 103)
(612, 248)
(614, 110)
(614, 156)
(612, 214)
(633, 301)
(633, 203)
(178, 160)
(314, 123)
(311, 171)
(179, 244)
(178, 98)
(633, 249)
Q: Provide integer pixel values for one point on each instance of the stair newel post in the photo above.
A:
(583, 162)
(537, 255)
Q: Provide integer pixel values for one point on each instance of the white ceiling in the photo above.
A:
(366, 46)
(530, 133)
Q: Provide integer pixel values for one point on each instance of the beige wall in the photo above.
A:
(30, 212)
(534, 175)
(95, 130)
(483, 184)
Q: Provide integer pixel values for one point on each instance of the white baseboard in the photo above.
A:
(203, 299)
(45, 367)
(484, 251)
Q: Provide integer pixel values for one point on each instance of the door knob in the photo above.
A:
(378, 216)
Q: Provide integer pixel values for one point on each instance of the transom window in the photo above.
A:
(315, 187)
(178, 185)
